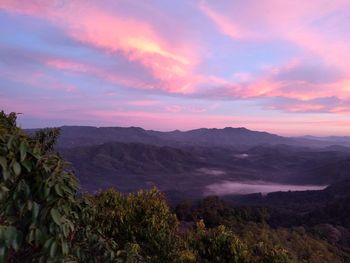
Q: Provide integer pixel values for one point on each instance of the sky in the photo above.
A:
(281, 66)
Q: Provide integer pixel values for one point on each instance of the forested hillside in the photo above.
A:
(187, 171)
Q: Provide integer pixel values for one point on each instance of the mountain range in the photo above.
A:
(72, 136)
(184, 163)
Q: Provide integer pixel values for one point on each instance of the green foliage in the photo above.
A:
(37, 197)
(217, 245)
(264, 243)
(8, 122)
(215, 211)
(89, 244)
(143, 219)
(301, 246)
(40, 214)
(262, 253)
(220, 244)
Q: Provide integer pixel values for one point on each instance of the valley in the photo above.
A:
(198, 163)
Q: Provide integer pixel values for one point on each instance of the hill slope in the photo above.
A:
(72, 136)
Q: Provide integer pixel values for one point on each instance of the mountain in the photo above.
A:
(134, 166)
(336, 140)
(339, 170)
(189, 170)
(72, 136)
(223, 137)
(186, 163)
(240, 138)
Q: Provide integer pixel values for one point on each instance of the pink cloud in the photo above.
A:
(174, 108)
(113, 76)
(143, 103)
(65, 64)
(341, 110)
(269, 19)
(264, 87)
(174, 66)
(40, 80)
(139, 43)
(183, 109)
(301, 107)
(224, 24)
(171, 64)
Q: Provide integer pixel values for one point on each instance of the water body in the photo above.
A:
(207, 171)
(249, 187)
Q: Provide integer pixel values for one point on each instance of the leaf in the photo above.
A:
(35, 211)
(3, 254)
(48, 243)
(64, 246)
(3, 188)
(16, 168)
(3, 162)
(29, 205)
(6, 174)
(56, 216)
(65, 230)
(27, 164)
(53, 249)
(23, 150)
(47, 190)
(67, 190)
(58, 190)
(10, 234)
(25, 188)
(38, 236)
(30, 237)
(9, 143)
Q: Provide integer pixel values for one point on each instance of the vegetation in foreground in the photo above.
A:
(43, 218)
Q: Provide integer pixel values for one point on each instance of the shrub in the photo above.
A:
(144, 219)
(217, 245)
(40, 215)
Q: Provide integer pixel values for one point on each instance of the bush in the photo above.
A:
(217, 245)
(143, 219)
(40, 215)
(37, 196)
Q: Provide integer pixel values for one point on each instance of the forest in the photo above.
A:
(44, 217)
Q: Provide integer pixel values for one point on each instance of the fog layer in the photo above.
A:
(234, 187)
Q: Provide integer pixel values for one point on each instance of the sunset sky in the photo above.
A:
(281, 66)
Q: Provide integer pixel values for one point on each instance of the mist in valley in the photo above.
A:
(249, 187)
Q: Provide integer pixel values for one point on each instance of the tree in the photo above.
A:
(40, 215)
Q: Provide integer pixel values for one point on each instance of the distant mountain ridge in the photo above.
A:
(336, 140)
(73, 136)
(223, 137)
(203, 136)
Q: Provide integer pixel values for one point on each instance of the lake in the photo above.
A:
(249, 187)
